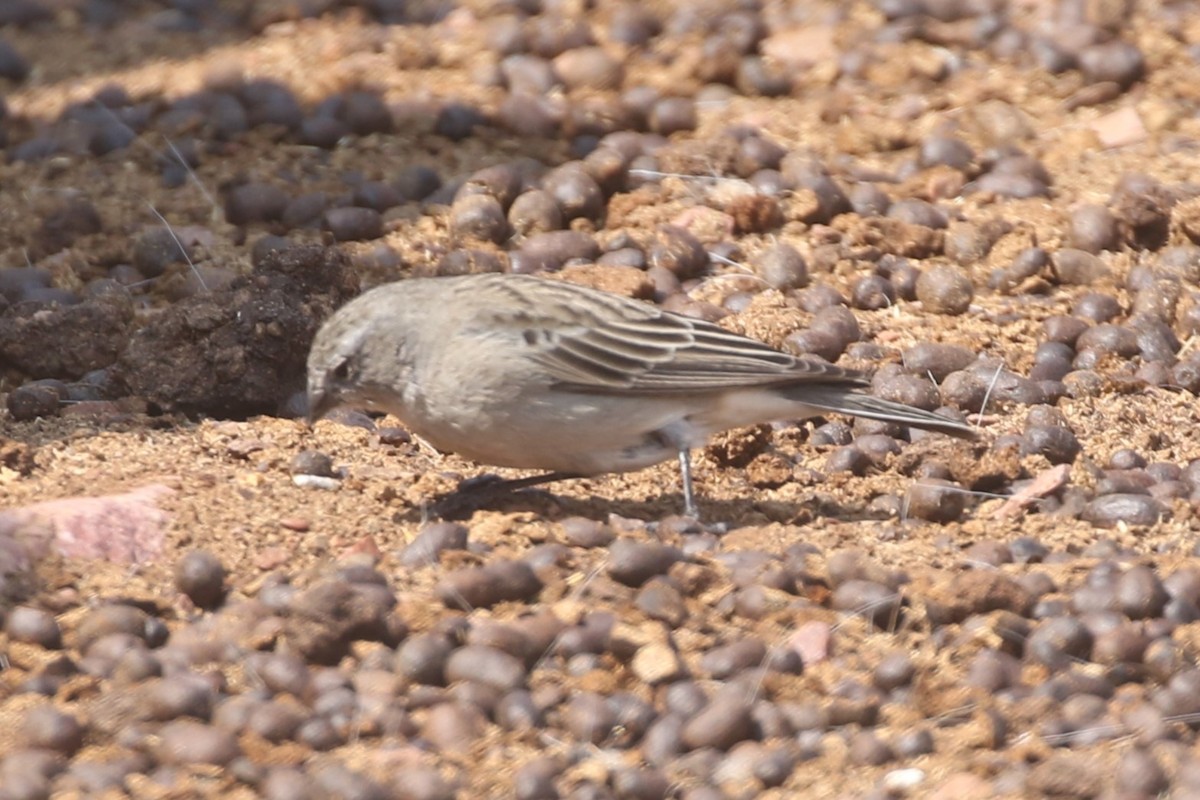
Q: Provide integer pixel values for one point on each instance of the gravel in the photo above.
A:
(995, 213)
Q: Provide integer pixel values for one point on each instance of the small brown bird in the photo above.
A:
(518, 371)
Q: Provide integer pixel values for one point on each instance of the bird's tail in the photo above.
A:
(857, 404)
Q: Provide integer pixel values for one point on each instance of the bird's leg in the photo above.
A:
(689, 494)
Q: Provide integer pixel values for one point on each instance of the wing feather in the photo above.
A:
(598, 342)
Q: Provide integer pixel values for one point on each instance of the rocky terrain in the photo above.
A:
(991, 206)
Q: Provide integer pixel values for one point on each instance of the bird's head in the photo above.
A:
(359, 359)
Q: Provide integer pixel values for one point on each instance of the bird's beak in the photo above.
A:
(319, 404)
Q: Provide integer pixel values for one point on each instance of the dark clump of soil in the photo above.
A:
(238, 351)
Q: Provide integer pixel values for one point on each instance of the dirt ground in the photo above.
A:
(231, 486)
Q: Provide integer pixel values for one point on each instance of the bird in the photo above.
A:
(536, 373)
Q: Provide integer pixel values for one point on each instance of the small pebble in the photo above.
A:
(483, 587)
(945, 290)
(201, 576)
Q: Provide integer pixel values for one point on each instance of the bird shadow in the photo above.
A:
(473, 495)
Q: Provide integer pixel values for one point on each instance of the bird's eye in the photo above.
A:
(342, 370)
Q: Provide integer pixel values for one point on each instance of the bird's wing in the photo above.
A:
(594, 341)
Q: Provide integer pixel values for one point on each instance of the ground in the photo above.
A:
(908, 618)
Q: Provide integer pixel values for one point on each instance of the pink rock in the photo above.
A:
(127, 528)
(811, 642)
(801, 47)
(272, 557)
(1119, 128)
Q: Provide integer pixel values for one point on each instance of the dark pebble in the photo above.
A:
(912, 743)
(781, 266)
(1108, 338)
(1078, 267)
(1123, 644)
(453, 727)
(377, 195)
(867, 749)
(878, 447)
(276, 721)
(201, 576)
(1117, 61)
(312, 462)
(672, 115)
(479, 216)
(485, 665)
(167, 699)
(255, 202)
(872, 292)
(576, 192)
(1139, 773)
(547, 252)
(847, 459)
(353, 223)
(917, 212)
(525, 73)
(284, 673)
(118, 618)
(364, 113)
(1056, 443)
(1059, 641)
(988, 552)
(13, 65)
(189, 742)
(26, 773)
(633, 563)
(945, 290)
(483, 587)
(1140, 594)
(584, 532)
(937, 360)
(305, 210)
(868, 200)
(517, 711)
(664, 740)
(535, 779)
(15, 282)
(659, 599)
(322, 131)
(589, 717)
(724, 722)
(992, 671)
(155, 250)
(1093, 228)
(679, 252)
(48, 728)
(725, 661)
(1064, 329)
(935, 500)
(535, 211)
(946, 151)
(35, 400)
(486, 181)
(34, 626)
(896, 670)
(416, 182)
(868, 599)
(1111, 510)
